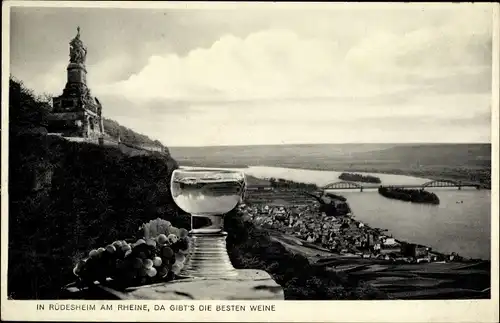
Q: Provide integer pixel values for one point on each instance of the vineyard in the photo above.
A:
(278, 197)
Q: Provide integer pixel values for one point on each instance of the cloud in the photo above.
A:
(357, 52)
(51, 82)
(198, 77)
(426, 53)
(109, 70)
(265, 64)
(461, 118)
(278, 63)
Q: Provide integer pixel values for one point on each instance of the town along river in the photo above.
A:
(448, 227)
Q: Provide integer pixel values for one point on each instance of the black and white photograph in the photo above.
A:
(265, 152)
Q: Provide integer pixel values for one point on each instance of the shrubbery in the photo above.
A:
(93, 196)
(128, 136)
(354, 177)
(409, 195)
(67, 197)
(287, 184)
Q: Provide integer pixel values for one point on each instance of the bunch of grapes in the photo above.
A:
(145, 261)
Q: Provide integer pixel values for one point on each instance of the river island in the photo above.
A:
(409, 195)
(304, 214)
(356, 177)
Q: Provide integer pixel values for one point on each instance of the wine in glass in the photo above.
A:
(207, 195)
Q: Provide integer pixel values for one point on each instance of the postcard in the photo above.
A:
(250, 161)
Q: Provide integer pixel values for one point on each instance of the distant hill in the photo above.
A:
(468, 162)
(329, 156)
(433, 154)
(317, 156)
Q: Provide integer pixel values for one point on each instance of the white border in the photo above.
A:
(303, 311)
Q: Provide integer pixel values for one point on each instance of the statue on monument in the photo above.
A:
(77, 52)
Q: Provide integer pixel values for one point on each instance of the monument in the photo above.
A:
(76, 113)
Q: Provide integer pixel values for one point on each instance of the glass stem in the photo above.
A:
(208, 224)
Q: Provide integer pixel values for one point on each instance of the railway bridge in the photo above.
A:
(341, 185)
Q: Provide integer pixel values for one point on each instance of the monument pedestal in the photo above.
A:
(247, 284)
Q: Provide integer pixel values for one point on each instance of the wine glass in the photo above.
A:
(208, 194)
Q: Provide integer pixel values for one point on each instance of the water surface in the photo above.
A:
(464, 228)
(450, 226)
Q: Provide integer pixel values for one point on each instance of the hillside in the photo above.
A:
(66, 198)
(31, 117)
(126, 135)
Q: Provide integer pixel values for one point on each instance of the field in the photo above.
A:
(399, 281)
(468, 162)
(278, 197)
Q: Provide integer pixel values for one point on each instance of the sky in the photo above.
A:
(273, 74)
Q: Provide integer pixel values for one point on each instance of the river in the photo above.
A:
(464, 228)
(447, 227)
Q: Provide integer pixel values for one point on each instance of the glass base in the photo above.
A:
(208, 258)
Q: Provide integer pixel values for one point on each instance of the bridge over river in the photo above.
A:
(342, 185)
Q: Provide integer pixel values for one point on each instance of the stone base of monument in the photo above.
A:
(248, 284)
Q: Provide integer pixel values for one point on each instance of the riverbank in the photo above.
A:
(342, 235)
(465, 213)
(383, 171)
(319, 178)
